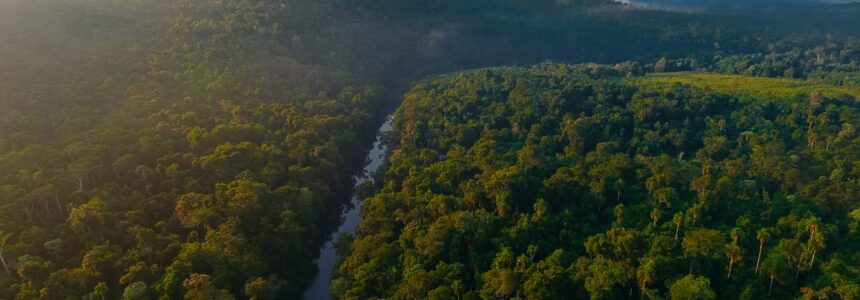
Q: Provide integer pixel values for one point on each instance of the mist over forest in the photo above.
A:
(540, 149)
(704, 4)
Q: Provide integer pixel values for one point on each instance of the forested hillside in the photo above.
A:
(188, 163)
(569, 182)
(205, 149)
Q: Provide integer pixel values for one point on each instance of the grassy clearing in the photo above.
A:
(755, 87)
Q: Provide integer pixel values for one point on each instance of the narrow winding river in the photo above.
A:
(326, 263)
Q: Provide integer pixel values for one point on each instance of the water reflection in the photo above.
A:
(319, 289)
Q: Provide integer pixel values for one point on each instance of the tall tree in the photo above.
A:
(678, 219)
(733, 253)
(692, 288)
(762, 236)
(4, 240)
(702, 243)
(816, 242)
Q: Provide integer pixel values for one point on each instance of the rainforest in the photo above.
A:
(429, 149)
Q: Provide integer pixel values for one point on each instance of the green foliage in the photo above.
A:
(205, 149)
(752, 87)
(574, 173)
(171, 155)
(692, 287)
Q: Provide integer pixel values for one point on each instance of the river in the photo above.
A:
(319, 289)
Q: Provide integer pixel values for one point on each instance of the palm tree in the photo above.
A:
(776, 268)
(645, 275)
(677, 219)
(762, 235)
(816, 242)
(655, 216)
(4, 238)
(736, 235)
(695, 212)
(457, 287)
(733, 252)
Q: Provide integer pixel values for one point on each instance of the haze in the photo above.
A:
(429, 149)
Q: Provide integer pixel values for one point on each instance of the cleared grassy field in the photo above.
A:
(755, 87)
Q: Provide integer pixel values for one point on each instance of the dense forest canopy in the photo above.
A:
(205, 149)
(569, 182)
